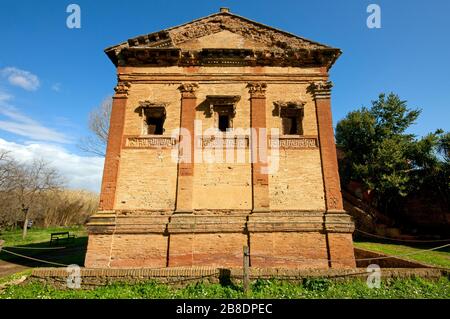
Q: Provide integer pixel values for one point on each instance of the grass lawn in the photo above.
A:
(314, 288)
(73, 252)
(37, 235)
(439, 258)
(261, 289)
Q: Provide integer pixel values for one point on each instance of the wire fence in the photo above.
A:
(403, 240)
(297, 259)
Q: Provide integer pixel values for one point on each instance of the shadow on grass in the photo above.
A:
(73, 253)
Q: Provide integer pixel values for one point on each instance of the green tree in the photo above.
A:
(379, 153)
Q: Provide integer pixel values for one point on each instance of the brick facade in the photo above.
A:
(162, 206)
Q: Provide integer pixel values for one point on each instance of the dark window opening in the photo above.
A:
(155, 125)
(154, 118)
(224, 123)
(290, 126)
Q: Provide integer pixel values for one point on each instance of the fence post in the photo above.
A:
(246, 274)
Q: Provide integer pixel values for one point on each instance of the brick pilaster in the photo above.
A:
(337, 223)
(186, 161)
(113, 149)
(259, 147)
(322, 96)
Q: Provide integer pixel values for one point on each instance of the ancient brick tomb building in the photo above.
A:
(164, 204)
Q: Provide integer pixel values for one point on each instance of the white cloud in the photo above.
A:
(80, 172)
(21, 78)
(56, 87)
(4, 97)
(16, 122)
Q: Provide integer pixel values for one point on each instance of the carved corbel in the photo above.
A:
(257, 89)
(320, 89)
(188, 90)
(122, 88)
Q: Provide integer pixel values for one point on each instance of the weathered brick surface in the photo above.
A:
(145, 192)
(290, 249)
(341, 251)
(260, 176)
(98, 251)
(333, 196)
(112, 159)
(298, 184)
(202, 249)
(139, 250)
(147, 180)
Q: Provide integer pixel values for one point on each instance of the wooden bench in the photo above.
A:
(61, 236)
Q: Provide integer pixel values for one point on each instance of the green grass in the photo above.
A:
(73, 252)
(37, 235)
(15, 276)
(316, 288)
(439, 258)
(309, 289)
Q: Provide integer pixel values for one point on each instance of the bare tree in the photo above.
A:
(98, 124)
(6, 163)
(28, 182)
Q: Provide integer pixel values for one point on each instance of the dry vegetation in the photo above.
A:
(36, 192)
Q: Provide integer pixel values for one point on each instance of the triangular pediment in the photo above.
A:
(222, 30)
(222, 39)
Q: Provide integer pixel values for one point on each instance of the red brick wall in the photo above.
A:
(220, 250)
(288, 249)
(112, 159)
(330, 171)
(341, 252)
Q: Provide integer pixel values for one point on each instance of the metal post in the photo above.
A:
(246, 278)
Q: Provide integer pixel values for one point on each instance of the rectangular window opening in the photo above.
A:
(224, 122)
(291, 125)
(155, 125)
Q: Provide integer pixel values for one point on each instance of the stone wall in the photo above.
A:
(181, 276)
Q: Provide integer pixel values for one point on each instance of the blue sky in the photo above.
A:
(52, 76)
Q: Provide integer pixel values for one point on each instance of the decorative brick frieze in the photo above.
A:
(226, 141)
(294, 143)
(149, 142)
